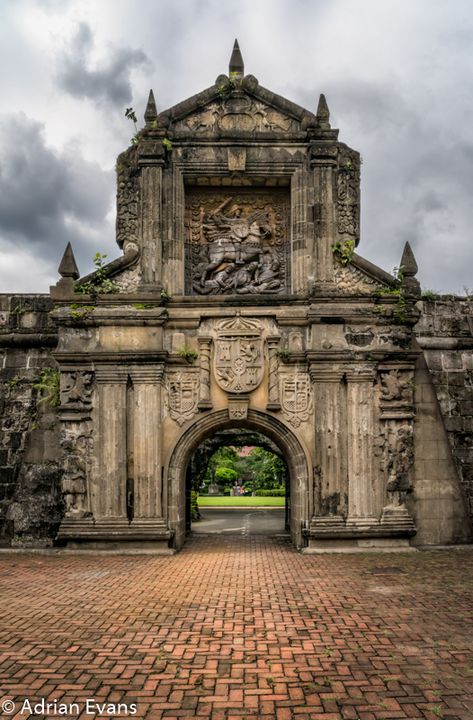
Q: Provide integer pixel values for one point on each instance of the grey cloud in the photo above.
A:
(48, 198)
(109, 84)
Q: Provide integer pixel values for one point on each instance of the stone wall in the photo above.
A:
(445, 333)
(30, 502)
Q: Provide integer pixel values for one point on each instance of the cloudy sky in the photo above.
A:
(397, 75)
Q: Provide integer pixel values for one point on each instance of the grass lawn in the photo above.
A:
(239, 501)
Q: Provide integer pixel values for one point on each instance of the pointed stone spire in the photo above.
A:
(409, 270)
(408, 261)
(236, 67)
(150, 113)
(323, 113)
(68, 267)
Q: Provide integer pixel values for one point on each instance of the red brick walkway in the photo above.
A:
(241, 628)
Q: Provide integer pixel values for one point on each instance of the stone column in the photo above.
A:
(146, 441)
(108, 489)
(360, 425)
(273, 376)
(330, 446)
(205, 402)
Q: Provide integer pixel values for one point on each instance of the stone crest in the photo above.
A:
(296, 398)
(238, 355)
(182, 395)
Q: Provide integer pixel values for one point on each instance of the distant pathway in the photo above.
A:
(239, 627)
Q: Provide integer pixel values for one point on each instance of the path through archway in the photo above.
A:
(269, 427)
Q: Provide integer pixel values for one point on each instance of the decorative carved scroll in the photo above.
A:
(396, 388)
(237, 242)
(182, 395)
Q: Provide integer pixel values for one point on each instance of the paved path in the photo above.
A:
(241, 627)
(241, 521)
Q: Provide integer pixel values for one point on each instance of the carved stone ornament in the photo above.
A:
(76, 388)
(348, 191)
(237, 242)
(399, 459)
(238, 355)
(238, 113)
(296, 398)
(182, 395)
(77, 446)
(396, 388)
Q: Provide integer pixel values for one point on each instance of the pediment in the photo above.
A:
(249, 108)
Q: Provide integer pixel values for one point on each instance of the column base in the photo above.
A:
(144, 534)
(359, 534)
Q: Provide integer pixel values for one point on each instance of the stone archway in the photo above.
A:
(295, 454)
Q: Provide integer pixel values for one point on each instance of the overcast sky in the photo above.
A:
(397, 75)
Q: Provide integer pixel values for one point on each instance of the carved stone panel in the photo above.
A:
(77, 446)
(296, 397)
(238, 355)
(76, 388)
(238, 241)
(182, 395)
(241, 113)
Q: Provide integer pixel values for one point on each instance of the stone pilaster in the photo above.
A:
(362, 511)
(330, 475)
(151, 179)
(108, 489)
(274, 402)
(148, 489)
(205, 402)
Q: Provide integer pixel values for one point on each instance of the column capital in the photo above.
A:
(111, 375)
(325, 374)
(360, 373)
(148, 375)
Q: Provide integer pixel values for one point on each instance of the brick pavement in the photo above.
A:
(240, 628)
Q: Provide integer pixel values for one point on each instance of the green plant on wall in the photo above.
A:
(188, 355)
(48, 386)
(100, 283)
(344, 251)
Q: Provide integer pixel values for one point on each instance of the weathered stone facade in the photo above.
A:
(239, 302)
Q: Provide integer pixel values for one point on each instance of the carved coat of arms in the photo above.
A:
(238, 356)
(182, 396)
(296, 398)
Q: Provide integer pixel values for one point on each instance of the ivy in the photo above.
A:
(188, 355)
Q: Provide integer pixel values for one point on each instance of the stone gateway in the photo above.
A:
(240, 302)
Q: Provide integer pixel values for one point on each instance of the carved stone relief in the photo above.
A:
(237, 242)
(350, 279)
(238, 113)
(396, 388)
(77, 445)
(348, 191)
(398, 459)
(296, 397)
(182, 395)
(238, 355)
(76, 388)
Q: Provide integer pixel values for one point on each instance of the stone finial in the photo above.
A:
(150, 113)
(236, 67)
(68, 267)
(323, 113)
(409, 270)
(408, 261)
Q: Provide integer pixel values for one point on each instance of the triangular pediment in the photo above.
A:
(228, 108)
(361, 277)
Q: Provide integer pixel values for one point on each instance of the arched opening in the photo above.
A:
(267, 426)
(237, 482)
